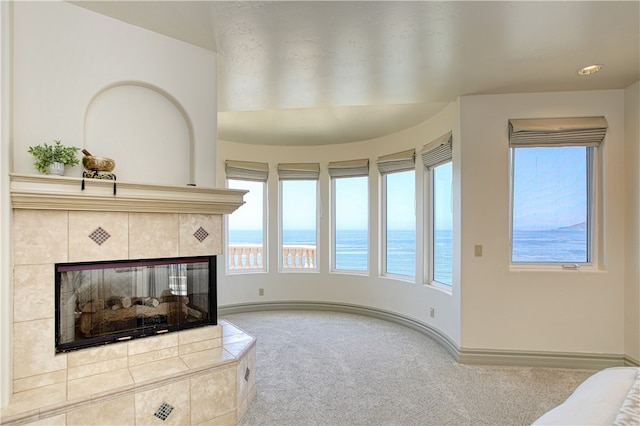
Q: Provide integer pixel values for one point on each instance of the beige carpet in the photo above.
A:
(326, 368)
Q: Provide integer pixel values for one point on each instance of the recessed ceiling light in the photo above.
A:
(591, 69)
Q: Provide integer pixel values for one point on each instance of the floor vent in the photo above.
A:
(163, 412)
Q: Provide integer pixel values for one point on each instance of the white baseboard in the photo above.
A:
(540, 359)
(587, 361)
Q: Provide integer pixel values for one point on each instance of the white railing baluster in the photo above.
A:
(251, 256)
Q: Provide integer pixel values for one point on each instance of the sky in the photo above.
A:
(352, 201)
(550, 186)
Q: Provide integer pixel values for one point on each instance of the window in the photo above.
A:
(246, 226)
(350, 215)
(436, 158)
(299, 215)
(398, 212)
(552, 164)
(442, 224)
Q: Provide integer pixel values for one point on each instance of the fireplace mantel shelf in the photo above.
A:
(44, 192)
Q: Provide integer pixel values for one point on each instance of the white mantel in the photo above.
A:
(44, 192)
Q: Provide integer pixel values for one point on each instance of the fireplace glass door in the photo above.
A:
(106, 302)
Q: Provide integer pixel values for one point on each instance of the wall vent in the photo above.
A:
(163, 411)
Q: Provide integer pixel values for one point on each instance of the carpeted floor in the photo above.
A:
(327, 368)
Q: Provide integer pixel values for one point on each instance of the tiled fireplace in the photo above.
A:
(197, 375)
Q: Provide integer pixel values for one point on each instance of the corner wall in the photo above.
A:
(551, 310)
(632, 222)
(6, 306)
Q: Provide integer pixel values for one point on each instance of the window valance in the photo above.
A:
(298, 171)
(548, 132)
(398, 162)
(438, 151)
(247, 170)
(350, 168)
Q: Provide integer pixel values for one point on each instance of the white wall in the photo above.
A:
(6, 305)
(412, 299)
(81, 77)
(492, 307)
(632, 223)
(554, 310)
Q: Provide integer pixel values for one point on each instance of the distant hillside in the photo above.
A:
(577, 227)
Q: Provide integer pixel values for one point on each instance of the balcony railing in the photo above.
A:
(250, 256)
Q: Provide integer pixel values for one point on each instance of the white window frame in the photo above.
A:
(594, 188)
(383, 231)
(316, 267)
(434, 154)
(265, 245)
(334, 269)
(429, 261)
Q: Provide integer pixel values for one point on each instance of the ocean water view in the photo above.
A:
(351, 249)
(557, 245)
(560, 245)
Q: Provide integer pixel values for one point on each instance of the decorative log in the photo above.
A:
(113, 300)
(109, 320)
(192, 312)
(93, 306)
(151, 301)
(88, 321)
(168, 296)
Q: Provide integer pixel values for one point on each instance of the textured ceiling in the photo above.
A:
(311, 73)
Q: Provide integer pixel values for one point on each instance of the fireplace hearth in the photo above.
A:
(112, 301)
(144, 260)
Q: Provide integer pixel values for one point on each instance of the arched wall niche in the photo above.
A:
(145, 130)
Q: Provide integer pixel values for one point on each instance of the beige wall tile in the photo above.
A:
(224, 420)
(203, 345)
(242, 382)
(59, 420)
(204, 358)
(209, 246)
(39, 236)
(243, 406)
(41, 380)
(33, 292)
(147, 357)
(34, 349)
(246, 386)
(97, 354)
(96, 368)
(83, 248)
(200, 334)
(236, 338)
(176, 394)
(228, 329)
(118, 411)
(154, 343)
(213, 395)
(99, 384)
(23, 402)
(157, 369)
(153, 235)
(237, 349)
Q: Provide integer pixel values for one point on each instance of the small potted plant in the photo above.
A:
(51, 159)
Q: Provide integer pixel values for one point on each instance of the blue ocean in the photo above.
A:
(351, 248)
